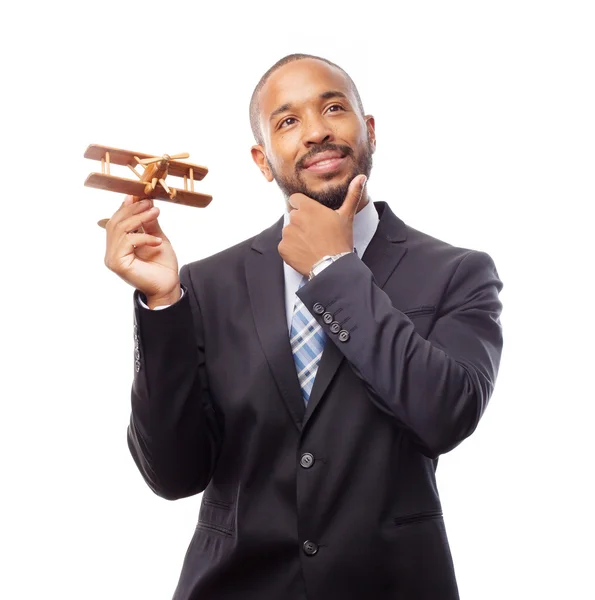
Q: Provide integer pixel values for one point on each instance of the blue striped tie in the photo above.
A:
(307, 344)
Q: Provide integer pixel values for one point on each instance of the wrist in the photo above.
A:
(325, 261)
(165, 299)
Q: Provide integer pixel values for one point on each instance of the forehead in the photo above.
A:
(300, 82)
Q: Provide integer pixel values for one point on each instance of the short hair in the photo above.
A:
(255, 105)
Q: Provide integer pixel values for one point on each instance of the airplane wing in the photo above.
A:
(126, 157)
(137, 188)
(111, 183)
(188, 198)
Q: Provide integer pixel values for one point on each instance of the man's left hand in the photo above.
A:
(315, 231)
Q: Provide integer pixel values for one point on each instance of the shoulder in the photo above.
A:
(428, 247)
(441, 253)
(420, 245)
(454, 263)
(229, 263)
(429, 254)
(227, 257)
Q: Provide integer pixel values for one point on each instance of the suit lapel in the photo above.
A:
(266, 288)
(382, 257)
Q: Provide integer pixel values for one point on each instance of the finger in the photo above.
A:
(127, 246)
(130, 199)
(295, 200)
(131, 242)
(353, 197)
(134, 222)
(138, 240)
(153, 228)
(124, 213)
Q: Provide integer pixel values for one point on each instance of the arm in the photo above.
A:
(436, 388)
(174, 435)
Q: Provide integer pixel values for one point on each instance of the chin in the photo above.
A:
(321, 181)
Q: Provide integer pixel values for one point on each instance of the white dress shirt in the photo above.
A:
(365, 224)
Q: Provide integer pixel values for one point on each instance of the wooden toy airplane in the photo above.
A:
(151, 182)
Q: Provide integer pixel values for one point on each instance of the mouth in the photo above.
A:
(325, 162)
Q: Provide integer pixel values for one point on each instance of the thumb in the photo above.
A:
(353, 197)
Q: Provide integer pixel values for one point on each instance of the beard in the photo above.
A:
(332, 196)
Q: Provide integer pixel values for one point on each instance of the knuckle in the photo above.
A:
(117, 225)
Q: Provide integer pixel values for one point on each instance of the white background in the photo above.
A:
(485, 125)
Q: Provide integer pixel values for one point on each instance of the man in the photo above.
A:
(307, 379)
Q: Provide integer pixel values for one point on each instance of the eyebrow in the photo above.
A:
(324, 96)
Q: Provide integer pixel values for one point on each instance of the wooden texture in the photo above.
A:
(137, 188)
(125, 157)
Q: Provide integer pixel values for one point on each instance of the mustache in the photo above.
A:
(346, 150)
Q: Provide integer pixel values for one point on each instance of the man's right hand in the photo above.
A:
(146, 260)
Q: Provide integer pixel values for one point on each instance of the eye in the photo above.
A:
(335, 106)
(286, 122)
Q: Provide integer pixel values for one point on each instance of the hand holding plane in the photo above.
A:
(137, 250)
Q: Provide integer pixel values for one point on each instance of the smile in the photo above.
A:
(327, 165)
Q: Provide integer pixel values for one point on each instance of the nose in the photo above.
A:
(316, 131)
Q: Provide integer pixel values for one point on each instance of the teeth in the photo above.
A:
(325, 162)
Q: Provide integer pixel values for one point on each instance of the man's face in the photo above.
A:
(315, 138)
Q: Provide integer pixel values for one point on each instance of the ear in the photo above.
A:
(371, 127)
(260, 158)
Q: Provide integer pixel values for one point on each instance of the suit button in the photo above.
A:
(343, 335)
(327, 318)
(335, 327)
(136, 354)
(318, 308)
(310, 548)
(137, 365)
(307, 460)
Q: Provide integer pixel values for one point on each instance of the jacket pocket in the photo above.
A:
(417, 518)
(217, 516)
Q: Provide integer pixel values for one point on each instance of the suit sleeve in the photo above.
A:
(436, 388)
(174, 433)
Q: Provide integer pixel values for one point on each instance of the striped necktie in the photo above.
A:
(307, 344)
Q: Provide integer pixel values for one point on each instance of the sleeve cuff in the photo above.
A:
(144, 304)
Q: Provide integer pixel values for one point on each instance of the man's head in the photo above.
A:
(311, 131)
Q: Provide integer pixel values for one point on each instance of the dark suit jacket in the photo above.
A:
(338, 500)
